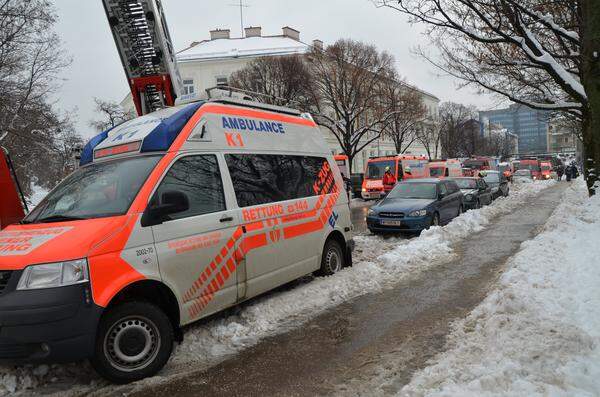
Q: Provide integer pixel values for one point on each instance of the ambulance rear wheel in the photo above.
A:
(134, 341)
(332, 260)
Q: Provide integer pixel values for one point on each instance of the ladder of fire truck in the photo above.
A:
(142, 37)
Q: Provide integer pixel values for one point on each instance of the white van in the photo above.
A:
(172, 216)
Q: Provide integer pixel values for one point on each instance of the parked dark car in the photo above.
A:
(476, 192)
(498, 183)
(416, 204)
(357, 181)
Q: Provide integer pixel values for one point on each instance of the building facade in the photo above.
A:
(562, 139)
(530, 125)
(209, 63)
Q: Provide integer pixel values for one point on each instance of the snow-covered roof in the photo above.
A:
(242, 47)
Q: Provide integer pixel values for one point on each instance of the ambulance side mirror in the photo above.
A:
(171, 202)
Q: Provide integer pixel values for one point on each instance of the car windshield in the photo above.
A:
(436, 171)
(95, 191)
(546, 168)
(376, 169)
(466, 183)
(414, 191)
(492, 177)
(523, 173)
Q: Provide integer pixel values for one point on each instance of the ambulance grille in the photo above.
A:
(4, 279)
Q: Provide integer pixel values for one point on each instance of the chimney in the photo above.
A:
(253, 31)
(317, 44)
(291, 33)
(219, 34)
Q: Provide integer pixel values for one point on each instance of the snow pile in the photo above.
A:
(378, 263)
(37, 194)
(538, 333)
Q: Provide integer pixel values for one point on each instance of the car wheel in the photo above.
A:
(134, 341)
(332, 260)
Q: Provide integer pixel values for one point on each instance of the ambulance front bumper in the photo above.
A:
(47, 325)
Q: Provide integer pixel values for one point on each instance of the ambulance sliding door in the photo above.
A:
(196, 248)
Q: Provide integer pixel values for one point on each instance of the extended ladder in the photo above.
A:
(142, 37)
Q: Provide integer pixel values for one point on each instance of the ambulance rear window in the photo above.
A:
(265, 178)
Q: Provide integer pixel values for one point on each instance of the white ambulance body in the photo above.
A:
(174, 216)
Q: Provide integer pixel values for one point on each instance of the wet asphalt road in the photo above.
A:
(358, 215)
(373, 344)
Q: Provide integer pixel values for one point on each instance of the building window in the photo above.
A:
(222, 81)
(188, 86)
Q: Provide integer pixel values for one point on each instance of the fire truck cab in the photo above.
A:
(545, 170)
(402, 167)
(473, 165)
(532, 164)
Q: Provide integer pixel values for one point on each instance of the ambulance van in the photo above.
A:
(172, 217)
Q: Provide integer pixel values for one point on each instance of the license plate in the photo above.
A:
(391, 223)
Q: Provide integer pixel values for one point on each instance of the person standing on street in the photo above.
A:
(389, 180)
(560, 170)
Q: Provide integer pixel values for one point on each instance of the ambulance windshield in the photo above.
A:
(95, 191)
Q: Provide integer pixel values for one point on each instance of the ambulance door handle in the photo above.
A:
(226, 219)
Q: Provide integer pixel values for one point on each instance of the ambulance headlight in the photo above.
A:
(52, 275)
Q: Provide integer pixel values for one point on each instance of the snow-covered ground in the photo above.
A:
(379, 263)
(538, 332)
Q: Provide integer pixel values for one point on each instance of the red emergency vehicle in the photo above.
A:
(402, 167)
(532, 164)
(342, 162)
(474, 164)
(546, 170)
(12, 201)
(450, 168)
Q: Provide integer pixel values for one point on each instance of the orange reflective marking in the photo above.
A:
(254, 226)
(328, 192)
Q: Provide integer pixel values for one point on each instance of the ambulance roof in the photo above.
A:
(224, 125)
(154, 132)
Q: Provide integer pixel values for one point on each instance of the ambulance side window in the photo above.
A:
(265, 178)
(199, 178)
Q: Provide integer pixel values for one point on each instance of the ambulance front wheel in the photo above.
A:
(134, 341)
(332, 260)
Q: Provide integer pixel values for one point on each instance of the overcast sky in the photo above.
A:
(96, 69)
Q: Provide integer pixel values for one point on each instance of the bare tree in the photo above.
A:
(282, 80)
(31, 60)
(112, 115)
(453, 117)
(429, 137)
(347, 79)
(407, 111)
(544, 55)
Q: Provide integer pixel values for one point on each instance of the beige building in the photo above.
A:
(562, 139)
(209, 63)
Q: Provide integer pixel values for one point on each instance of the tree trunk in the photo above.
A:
(590, 46)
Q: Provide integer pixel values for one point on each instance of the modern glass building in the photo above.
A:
(530, 125)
